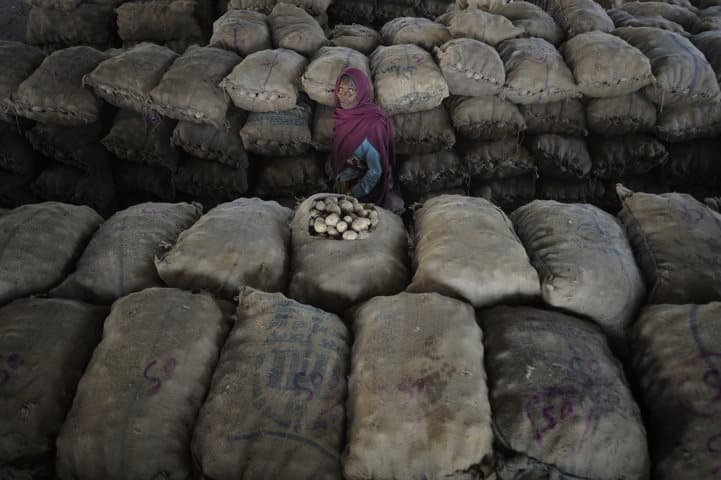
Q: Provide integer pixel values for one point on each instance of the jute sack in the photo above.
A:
(682, 73)
(566, 117)
(581, 16)
(562, 407)
(293, 28)
(424, 173)
(16, 190)
(20, 61)
(628, 155)
(244, 242)
(693, 163)
(709, 43)
(406, 79)
(480, 25)
(266, 81)
(335, 274)
(119, 258)
(675, 359)
(423, 132)
(41, 243)
(54, 92)
(681, 3)
(709, 21)
(360, 11)
(560, 156)
(606, 66)
(125, 80)
(714, 203)
(322, 73)
(679, 15)
(533, 20)
(485, 118)
(242, 31)
(62, 183)
(507, 193)
(384, 12)
(479, 4)
(466, 248)
(150, 183)
(279, 133)
(585, 263)
(417, 380)
(78, 147)
(143, 139)
(355, 36)
(496, 159)
(290, 176)
(211, 180)
(322, 128)
(276, 404)
(16, 154)
(622, 18)
(86, 24)
(222, 145)
(4, 211)
(415, 30)
(676, 240)
(136, 404)
(317, 8)
(432, 8)
(590, 190)
(471, 67)
(55, 4)
(624, 115)
(684, 123)
(57, 183)
(163, 20)
(535, 72)
(46, 344)
(261, 6)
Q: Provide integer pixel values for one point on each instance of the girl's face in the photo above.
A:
(347, 93)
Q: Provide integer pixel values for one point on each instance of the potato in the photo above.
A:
(332, 219)
(374, 222)
(331, 200)
(350, 235)
(319, 205)
(363, 213)
(341, 226)
(333, 208)
(348, 219)
(357, 207)
(319, 226)
(373, 214)
(346, 206)
(361, 224)
(332, 231)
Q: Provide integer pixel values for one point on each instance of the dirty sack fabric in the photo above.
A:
(46, 344)
(434, 393)
(322, 138)
(222, 145)
(622, 18)
(16, 190)
(63, 183)
(623, 115)
(590, 190)
(560, 156)
(40, 244)
(151, 183)
(143, 139)
(684, 123)
(415, 30)
(424, 173)
(293, 28)
(57, 183)
(466, 248)
(261, 6)
(242, 31)
(496, 159)
(507, 193)
(19, 61)
(164, 20)
(714, 203)
(137, 402)
(693, 163)
(243, 242)
(276, 403)
(279, 177)
(423, 132)
(624, 156)
(485, 118)
(322, 73)
(358, 37)
(78, 147)
(211, 180)
(336, 274)
(673, 13)
(119, 258)
(480, 25)
(581, 16)
(534, 21)
(471, 67)
(86, 24)
(16, 154)
(566, 117)
(676, 240)
(562, 407)
(279, 133)
(709, 43)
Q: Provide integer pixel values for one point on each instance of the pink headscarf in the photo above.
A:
(352, 126)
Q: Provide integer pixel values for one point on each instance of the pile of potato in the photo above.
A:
(342, 218)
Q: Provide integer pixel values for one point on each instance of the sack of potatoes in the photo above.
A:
(342, 217)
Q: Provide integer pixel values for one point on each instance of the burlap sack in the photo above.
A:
(424, 173)
(4, 211)
(86, 24)
(676, 240)
(16, 190)
(580, 16)
(293, 28)
(179, 46)
(682, 73)
(682, 16)
(355, 36)
(266, 81)
(57, 183)
(432, 8)
(163, 20)
(709, 20)
(222, 145)
(41, 244)
(709, 43)
(335, 274)
(533, 20)
(317, 8)
(535, 72)
(471, 67)
(322, 73)
(423, 132)
(119, 258)
(496, 159)
(479, 4)
(480, 25)
(142, 139)
(78, 147)
(606, 66)
(432, 391)
(19, 62)
(566, 117)
(276, 404)
(415, 30)
(244, 242)
(61, 183)
(136, 404)
(125, 80)
(406, 79)
(684, 123)
(360, 11)
(585, 263)
(290, 176)
(485, 118)
(262, 6)
(628, 155)
(54, 93)
(242, 31)
(590, 190)
(152, 183)
(675, 359)
(46, 345)
(55, 4)
(624, 115)
(211, 180)
(561, 405)
(560, 156)
(189, 90)
(507, 193)
(466, 248)
(16, 154)
(279, 133)
(694, 163)
(622, 18)
(714, 203)
(384, 12)
(322, 128)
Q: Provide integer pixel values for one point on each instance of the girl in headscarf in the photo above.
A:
(363, 150)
